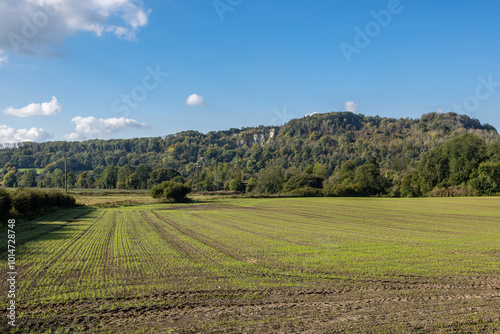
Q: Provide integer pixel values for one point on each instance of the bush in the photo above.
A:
(236, 185)
(27, 202)
(171, 191)
(5, 205)
(306, 192)
(341, 190)
(300, 181)
(456, 191)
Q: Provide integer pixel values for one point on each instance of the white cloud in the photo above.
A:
(195, 100)
(313, 113)
(36, 26)
(36, 109)
(3, 59)
(10, 135)
(91, 127)
(351, 106)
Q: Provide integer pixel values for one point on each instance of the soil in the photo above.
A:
(398, 305)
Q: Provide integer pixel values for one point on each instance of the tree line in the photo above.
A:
(335, 154)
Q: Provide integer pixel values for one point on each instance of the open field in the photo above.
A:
(315, 265)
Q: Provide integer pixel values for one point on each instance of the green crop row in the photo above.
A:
(253, 243)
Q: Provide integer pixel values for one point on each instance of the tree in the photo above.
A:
(465, 153)
(45, 179)
(57, 178)
(251, 185)
(109, 177)
(345, 174)
(169, 190)
(161, 175)
(124, 172)
(319, 170)
(81, 182)
(28, 180)
(7, 167)
(132, 182)
(71, 179)
(453, 163)
(142, 174)
(487, 181)
(236, 185)
(271, 180)
(10, 179)
(368, 175)
(410, 185)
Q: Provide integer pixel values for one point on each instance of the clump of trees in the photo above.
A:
(170, 191)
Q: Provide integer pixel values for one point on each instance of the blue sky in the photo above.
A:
(240, 63)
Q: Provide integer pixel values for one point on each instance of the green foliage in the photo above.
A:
(124, 172)
(346, 173)
(368, 176)
(109, 177)
(236, 185)
(31, 202)
(410, 185)
(252, 184)
(132, 182)
(71, 179)
(343, 190)
(5, 205)
(303, 181)
(142, 174)
(28, 179)
(306, 192)
(161, 175)
(169, 190)
(316, 145)
(356, 181)
(487, 182)
(57, 178)
(10, 179)
(453, 163)
(320, 170)
(270, 180)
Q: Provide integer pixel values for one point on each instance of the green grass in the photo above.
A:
(251, 244)
(38, 170)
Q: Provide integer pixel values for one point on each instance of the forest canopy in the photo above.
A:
(341, 153)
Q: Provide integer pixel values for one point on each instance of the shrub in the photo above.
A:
(27, 202)
(5, 205)
(303, 181)
(236, 185)
(341, 190)
(172, 191)
(306, 192)
(456, 191)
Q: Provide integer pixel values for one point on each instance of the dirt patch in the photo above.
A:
(418, 305)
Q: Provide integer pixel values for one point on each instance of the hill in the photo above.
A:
(210, 161)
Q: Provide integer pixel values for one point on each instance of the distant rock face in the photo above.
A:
(260, 138)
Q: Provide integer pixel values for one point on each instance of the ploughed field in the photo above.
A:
(313, 265)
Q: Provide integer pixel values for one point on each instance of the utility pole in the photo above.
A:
(66, 173)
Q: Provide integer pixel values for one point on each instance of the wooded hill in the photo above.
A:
(323, 142)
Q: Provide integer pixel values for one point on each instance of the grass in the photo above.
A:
(38, 170)
(138, 251)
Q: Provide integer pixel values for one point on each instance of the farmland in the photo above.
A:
(280, 265)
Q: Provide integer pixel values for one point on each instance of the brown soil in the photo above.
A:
(399, 305)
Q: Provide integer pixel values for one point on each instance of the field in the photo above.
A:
(316, 265)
